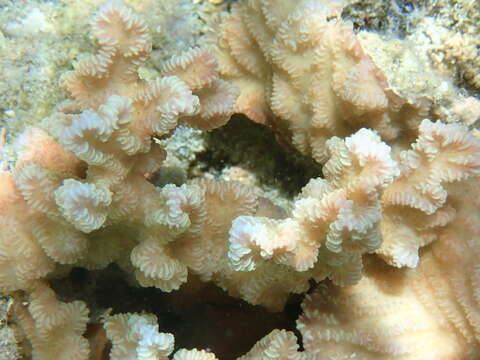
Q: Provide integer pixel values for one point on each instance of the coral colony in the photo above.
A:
(389, 233)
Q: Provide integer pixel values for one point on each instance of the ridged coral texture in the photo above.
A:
(388, 235)
(301, 70)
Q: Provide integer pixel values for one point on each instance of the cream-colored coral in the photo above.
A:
(430, 312)
(278, 345)
(75, 194)
(334, 221)
(193, 354)
(418, 204)
(301, 70)
(136, 337)
(381, 317)
(54, 328)
(189, 232)
(100, 148)
(79, 195)
(21, 257)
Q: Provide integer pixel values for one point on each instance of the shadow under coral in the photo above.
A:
(256, 148)
(200, 315)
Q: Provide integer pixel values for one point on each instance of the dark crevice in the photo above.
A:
(199, 315)
(254, 147)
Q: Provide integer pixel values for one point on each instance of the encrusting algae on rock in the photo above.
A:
(384, 243)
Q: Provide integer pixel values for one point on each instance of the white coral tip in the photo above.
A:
(83, 205)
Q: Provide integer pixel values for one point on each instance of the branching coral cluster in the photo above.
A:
(430, 312)
(333, 222)
(79, 184)
(301, 70)
(393, 182)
